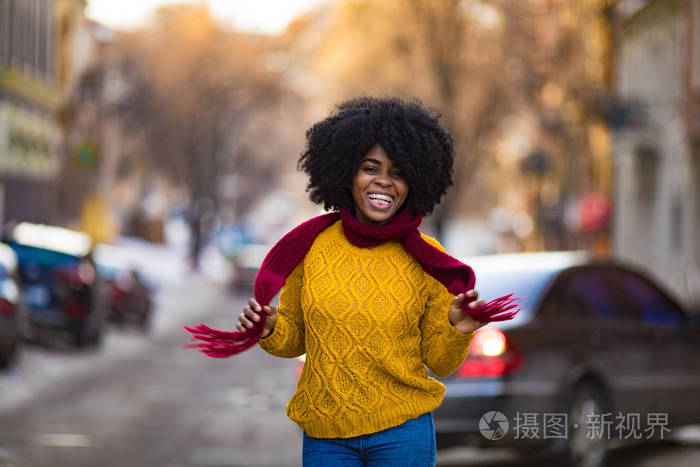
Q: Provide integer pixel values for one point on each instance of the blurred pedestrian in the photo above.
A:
(371, 301)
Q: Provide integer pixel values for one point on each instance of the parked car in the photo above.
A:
(128, 291)
(246, 263)
(600, 354)
(128, 295)
(59, 282)
(11, 311)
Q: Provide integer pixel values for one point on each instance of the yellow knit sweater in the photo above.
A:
(369, 320)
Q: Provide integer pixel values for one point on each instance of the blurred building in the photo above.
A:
(104, 187)
(36, 68)
(656, 142)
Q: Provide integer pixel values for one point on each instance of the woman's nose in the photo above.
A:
(383, 179)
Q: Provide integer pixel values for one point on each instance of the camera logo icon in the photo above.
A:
(493, 425)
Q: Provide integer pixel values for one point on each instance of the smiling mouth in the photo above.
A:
(380, 201)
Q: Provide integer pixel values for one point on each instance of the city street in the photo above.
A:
(142, 400)
(145, 401)
(153, 153)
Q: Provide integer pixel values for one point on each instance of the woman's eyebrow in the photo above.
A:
(369, 159)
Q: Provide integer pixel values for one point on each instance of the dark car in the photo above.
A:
(11, 311)
(599, 355)
(59, 282)
(128, 292)
(128, 295)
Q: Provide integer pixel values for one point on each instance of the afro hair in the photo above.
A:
(411, 136)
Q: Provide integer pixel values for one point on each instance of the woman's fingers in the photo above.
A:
(250, 314)
(243, 319)
(254, 305)
(459, 299)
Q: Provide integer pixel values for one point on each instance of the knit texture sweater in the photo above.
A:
(371, 323)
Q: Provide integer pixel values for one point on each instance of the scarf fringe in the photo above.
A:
(215, 343)
(495, 310)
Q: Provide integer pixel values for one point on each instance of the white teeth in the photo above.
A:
(381, 198)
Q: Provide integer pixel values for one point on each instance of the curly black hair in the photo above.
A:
(411, 136)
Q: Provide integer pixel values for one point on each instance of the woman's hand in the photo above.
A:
(251, 315)
(460, 320)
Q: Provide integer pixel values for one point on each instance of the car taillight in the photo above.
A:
(488, 342)
(86, 273)
(78, 275)
(116, 293)
(6, 307)
(75, 309)
(491, 354)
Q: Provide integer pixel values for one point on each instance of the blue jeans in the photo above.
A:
(410, 444)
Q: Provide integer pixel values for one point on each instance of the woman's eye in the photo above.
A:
(397, 175)
(370, 170)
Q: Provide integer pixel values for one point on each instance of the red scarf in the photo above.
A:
(456, 276)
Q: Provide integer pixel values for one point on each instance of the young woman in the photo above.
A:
(372, 302)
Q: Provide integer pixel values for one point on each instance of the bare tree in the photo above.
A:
(199, 86)
(480, 63)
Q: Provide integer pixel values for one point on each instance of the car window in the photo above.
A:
(653, 306)
(586, 295)
(530, 285)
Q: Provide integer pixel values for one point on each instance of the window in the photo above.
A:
(586, 295)
(651, 303)
(4, 31)
(49, 14)
(693, 100)
(527, 284)
(30, 36)
(16, 25)
(43, 49)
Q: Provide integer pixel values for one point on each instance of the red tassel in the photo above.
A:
(222, 344)
(495, 310)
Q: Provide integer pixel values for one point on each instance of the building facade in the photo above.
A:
(36, 54)
(657, 155)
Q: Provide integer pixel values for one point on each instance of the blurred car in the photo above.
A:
(128, 291)
(59, 282)
(128, 296)
(11, 310)
(597, 350)
(246, 263)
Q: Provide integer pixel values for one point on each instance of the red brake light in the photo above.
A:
(77, 275)
(490, 355)
(6, 307)
(75, 309)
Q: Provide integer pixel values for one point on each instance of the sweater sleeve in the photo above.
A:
(443, 347)
(287, 337)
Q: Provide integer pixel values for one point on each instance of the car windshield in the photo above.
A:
(522, 283)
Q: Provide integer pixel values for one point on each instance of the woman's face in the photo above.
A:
(378, 188)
